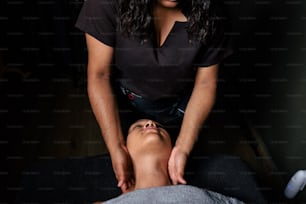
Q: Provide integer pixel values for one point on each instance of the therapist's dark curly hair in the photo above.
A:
(135, 18)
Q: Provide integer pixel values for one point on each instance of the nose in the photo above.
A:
(149, 123)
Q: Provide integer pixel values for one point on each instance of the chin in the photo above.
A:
(153, 138)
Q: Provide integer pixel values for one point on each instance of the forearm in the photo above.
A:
(105, 109)
(197, 110)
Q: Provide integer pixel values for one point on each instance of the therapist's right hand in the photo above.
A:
(176, 165)
(122, 166)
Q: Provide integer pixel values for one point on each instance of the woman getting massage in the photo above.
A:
(149, 146)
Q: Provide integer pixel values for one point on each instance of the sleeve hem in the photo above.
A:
(216, 61)
(94, 34)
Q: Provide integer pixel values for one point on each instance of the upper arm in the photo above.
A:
(100, 56)
(207, 75)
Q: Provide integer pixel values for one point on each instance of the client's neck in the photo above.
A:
(151, 172)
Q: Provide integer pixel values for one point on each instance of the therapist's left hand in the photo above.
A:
(176, 165)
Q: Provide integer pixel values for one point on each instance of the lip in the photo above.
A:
(150, 129)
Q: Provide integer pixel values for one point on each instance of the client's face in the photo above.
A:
(147, 136)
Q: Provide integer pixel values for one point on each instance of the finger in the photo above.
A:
(181, 180)
(180, 176)
(176, 178)
(120, 183)
(124, 188)
(172, 174)
(174, 181)
(132, 182)
(130, 186)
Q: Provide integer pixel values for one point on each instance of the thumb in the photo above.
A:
(120, 182)
(181, 180)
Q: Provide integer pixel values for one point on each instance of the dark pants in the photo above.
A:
(84, 180)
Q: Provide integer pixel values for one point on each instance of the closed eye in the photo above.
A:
(138, 126)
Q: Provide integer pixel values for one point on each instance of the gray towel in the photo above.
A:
(173, 194)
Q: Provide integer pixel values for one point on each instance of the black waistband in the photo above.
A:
(162, 102)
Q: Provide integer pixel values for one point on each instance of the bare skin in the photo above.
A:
(150, 147)
(198, 108)
(165, 18)
(105, 108)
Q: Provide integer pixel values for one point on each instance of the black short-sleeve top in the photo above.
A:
(154, 72)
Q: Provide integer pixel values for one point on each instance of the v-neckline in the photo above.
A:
(157, 44)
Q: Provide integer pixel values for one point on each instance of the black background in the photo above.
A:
(261, 83)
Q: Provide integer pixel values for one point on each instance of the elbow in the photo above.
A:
(97, 78)
(98, 74)
(208, 85)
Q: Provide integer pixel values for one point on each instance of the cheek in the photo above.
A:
(131, 138)
(167, 138)
(132, 143)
